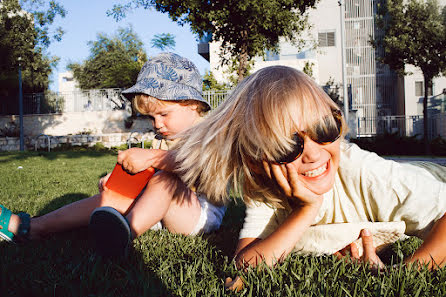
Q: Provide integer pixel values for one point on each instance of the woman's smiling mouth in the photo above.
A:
(316, 172)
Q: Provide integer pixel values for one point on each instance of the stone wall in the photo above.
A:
(42, 141)
(74, 128)
(91, 122)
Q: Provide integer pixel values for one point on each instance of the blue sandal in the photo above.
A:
(110, 232)
(24, 227)
(5, 217)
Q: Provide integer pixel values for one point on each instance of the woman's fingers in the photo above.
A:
(369, 254)
(370, 250)
(281, 179)
(234, 285)
(293, 179)
(266, 168)
(354, 252)
(350, 250)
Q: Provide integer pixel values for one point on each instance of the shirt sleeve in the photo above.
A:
(261, 220)
(399, 191)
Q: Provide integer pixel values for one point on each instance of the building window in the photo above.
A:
(326, 39)
(271, 56)
(419, 89)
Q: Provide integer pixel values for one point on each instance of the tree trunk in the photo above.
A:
(427, 149)
(243, 59)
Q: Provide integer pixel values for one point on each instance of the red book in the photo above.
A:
(129, 185)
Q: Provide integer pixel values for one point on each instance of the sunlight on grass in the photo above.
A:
(164, 264)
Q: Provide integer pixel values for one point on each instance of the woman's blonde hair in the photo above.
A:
(143, 104)
(255, 123)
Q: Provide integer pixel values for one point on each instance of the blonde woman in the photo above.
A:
(278, 141)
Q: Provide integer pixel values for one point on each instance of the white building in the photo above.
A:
(77, 100)
(67, 83)
(373, 89)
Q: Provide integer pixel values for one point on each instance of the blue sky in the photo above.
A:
(86, 18)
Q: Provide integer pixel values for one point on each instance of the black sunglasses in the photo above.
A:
(324, 134)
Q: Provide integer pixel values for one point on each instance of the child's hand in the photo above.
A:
(135, 160)
(102, 182)
(288, 180)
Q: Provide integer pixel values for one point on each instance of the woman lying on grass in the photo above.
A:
(279, 142)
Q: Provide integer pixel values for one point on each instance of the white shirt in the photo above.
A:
(368, 190)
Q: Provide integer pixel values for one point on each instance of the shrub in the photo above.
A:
(394, 144)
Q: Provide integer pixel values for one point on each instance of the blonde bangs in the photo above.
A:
(282, 101)
(144, 104)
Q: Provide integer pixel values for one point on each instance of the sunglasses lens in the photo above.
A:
(326, 132)
(295, 153)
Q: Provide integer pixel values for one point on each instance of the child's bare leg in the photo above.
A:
(73, 215)
(157, 203)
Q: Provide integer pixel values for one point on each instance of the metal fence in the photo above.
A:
(215, 98)
(94, 100)
(402, 126)
(112, 99)
(80, 101)
(36, 103)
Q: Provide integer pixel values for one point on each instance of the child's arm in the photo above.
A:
(433, 249)
(135, 160)
(282, 241)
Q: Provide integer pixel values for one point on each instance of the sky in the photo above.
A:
(86, 18)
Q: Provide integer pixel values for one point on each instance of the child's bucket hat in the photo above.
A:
(170, 77)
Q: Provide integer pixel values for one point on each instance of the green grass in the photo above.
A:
(164, 264)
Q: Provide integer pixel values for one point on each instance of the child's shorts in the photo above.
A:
(210, 219)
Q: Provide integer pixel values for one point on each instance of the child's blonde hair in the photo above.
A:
(255, 123)
(144, 104)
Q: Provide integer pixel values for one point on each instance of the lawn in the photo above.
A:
(163, 264)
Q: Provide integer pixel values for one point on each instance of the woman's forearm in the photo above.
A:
(282, 241)
(433, 250)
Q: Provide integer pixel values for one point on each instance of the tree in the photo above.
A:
(332, 90)
(233, 69)
(210, 83)
(114, 62)
(308, 69)
(163, 41)
(245, 28)
(25, 34)
(413, 32)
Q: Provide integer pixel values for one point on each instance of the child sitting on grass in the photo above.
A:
(278, 140)
(168, 89)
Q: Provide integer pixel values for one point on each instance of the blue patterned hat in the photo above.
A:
(168, 76)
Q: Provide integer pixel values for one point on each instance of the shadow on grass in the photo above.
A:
(66, 265)
(226, 238)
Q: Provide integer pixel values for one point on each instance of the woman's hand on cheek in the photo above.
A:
(287, 178)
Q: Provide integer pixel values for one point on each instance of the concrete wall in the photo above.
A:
(413, 103)
(326, 18)
(91, 122)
